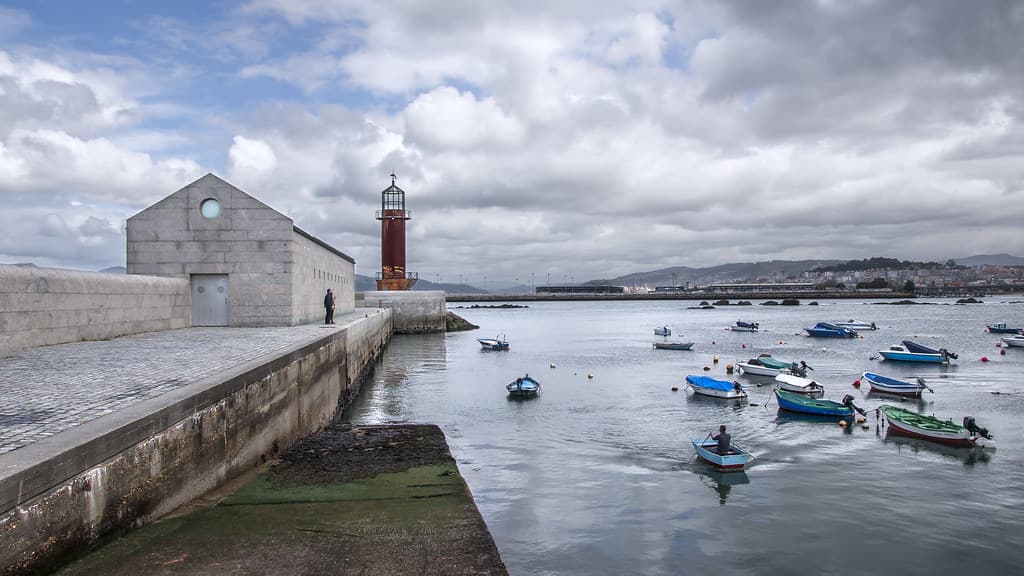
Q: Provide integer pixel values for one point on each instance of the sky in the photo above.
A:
(568, 140)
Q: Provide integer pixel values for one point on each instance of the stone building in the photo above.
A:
(247, 264)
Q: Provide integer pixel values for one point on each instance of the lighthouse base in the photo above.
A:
(395, 283)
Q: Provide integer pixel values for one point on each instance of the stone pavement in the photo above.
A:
(45, 391)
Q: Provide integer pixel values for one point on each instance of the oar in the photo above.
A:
(923, 385)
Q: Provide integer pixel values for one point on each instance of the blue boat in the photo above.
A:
(493, 343)
(895, 386)
(911, 351)
(734, 461)
(524, 387)
(708, 386)
(1002, 328)
(829, 330)
(803, 404)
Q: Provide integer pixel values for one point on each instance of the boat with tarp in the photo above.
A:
(911, 351)
(741, 326)
(708, 386)
(798, 384)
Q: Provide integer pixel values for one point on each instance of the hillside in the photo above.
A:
(735, 272)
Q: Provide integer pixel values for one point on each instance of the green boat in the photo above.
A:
(931, 428)
(802, 404)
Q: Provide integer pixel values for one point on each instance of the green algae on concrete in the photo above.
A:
(324, 510)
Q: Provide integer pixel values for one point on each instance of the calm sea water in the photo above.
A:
(596, 476)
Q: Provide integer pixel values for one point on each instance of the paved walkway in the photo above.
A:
(45, 391)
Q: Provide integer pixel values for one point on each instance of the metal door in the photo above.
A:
(209, 300)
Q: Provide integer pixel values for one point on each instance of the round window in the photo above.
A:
(210, 208)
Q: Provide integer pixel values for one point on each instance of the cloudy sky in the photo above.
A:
(572, 139)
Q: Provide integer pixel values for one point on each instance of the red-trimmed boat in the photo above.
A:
(931, 428)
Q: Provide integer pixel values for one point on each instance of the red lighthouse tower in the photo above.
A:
(392, 216)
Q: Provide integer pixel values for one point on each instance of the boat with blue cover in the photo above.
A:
(734, 461)
(524, 387)
(800, 403)
(707, 386)
(888, 385)
(829, 330)
(911, 351)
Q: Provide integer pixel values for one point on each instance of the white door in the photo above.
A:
(209, 300)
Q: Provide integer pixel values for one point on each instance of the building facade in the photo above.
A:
(247, 264)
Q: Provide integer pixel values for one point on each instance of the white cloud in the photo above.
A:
(248, 155)
(445, 118)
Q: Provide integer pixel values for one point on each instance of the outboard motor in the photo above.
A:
(947, 354)
(848, 401)
(736, 386)
(798, 369)
(973, 428)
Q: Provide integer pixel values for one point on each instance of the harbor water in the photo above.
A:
(597, 475)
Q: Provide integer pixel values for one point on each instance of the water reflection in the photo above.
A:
(721, 482)
(969, 456)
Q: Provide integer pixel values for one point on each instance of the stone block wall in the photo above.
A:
(413, 312)
(46, 306)
(315, 268)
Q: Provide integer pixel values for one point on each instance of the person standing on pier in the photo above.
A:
(329, 307)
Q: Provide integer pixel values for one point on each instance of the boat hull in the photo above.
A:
(887, 385)
(793, 402)
(525, 387)
(732, 462)
(857, 325)
(756, 370)
(1017, 341)
(492, 344)
(902, 356)
(673, 345)
(926, 427)
(1002, 329)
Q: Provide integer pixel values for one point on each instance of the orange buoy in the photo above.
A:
(999, 344)
(728, 368)
(590, 376)
(715, 359)
(1002, 352)
(856, 383)
(842, 423)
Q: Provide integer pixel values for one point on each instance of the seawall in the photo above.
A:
(44, 306)
(414, 312)
(62, 495)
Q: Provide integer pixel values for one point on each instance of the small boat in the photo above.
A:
(493, 343)
(1002, 328)
(911, 351)
(765, 365)
(755, 367)
(829, 330)
(798, 384)
(707, 386)
(744, 326)
(1013, 340)
(524, 387)
(662, 331)
(857, 324)
(734, 461)
(931, 428)
(793, 402)
(673, 345)
(889, 385)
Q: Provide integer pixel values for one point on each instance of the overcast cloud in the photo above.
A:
(576, 139)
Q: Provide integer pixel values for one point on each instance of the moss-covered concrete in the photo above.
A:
(351, 500)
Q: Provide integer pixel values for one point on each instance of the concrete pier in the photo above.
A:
(100, 437)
